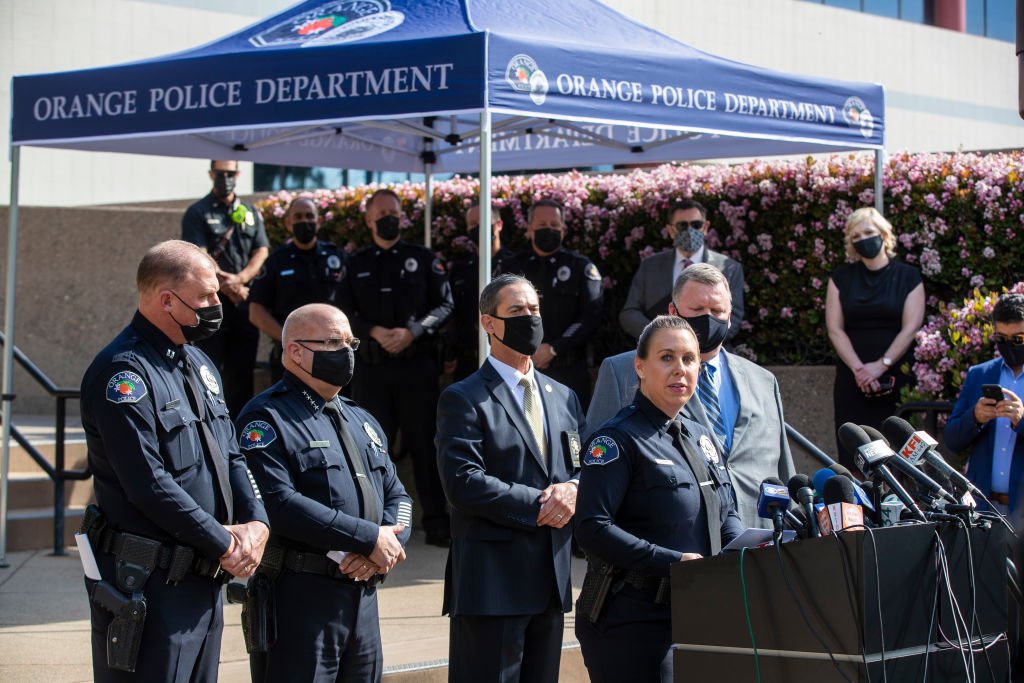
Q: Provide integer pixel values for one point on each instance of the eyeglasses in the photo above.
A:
(332, 344)
(225, 174)
(1016, 340)
(683, 225)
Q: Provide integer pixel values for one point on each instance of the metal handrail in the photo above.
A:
(809, 446)
(56, 472)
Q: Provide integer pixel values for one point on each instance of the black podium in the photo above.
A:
(712, 639)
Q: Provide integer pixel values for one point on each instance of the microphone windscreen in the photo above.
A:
(773, 480)
(839, 490)
(897, 430)
(852, 437)
(839, 469)
(797, 482)
(820, 477)
(874, 434)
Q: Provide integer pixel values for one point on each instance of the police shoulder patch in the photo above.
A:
(591, 272)
(126, 387)
(256, 434)
(601, 450)
(438, 266)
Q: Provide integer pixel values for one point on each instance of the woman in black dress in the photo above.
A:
(874, 307)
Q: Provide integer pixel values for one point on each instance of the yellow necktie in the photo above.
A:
(533, 416)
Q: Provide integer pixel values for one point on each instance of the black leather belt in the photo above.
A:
(1003, 498)
(316, 563)
(177, 560)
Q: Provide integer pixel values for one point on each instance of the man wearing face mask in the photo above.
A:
(687, 227)
(739, 401)
(569, 287)
(232, 233)
(987, 415)
(397, 297)
(508, 452)
(322, 464)
(306, 270)
(461, 359)
(176, 504)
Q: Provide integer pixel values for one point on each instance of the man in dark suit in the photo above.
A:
(508, 454)
(648, 294)
(991, 427)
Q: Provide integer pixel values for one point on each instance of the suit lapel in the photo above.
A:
(501, 391)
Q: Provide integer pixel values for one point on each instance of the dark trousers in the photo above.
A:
(506, 649)
(181, 637)
(573, 375)
(631, 641)
(327, 631)
(233, 350)
(402, 394)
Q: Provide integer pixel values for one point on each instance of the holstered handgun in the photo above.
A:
(124, 634)
(597, 584)
(259, 618)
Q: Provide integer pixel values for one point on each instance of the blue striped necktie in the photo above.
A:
(709, 398)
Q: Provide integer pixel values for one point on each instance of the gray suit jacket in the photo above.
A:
(651, 290)
(759, 445)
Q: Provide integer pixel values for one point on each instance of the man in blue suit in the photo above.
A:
(992, 427)
(508, 454)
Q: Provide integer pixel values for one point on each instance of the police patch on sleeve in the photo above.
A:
(601, 451)
(126, 387)
(591, 272)
(710, 452)
(257, 434)
(437, 266)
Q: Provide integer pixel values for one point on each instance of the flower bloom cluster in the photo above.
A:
(955, 216)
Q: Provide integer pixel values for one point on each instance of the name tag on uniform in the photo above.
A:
(290, 271)
(319, 444)
(366, 274)
(172, 404)
(660, 461)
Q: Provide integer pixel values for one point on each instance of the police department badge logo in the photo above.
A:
(591, 272)
(125, 387)
(332, 23)
(523, 74)
(256, 434)
(856, 115)
(372, 433)
(411, 264)
(601, 451)
(564, 273)
(710, 452)
(209, 380)
(333, 262)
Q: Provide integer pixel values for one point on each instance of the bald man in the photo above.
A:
(176, 506)
(322, 464)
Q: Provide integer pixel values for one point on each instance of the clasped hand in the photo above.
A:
(387, 553)
(248, 542)
(392, 339)
(557, 505)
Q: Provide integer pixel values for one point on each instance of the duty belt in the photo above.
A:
(316, 563)
(657, 588)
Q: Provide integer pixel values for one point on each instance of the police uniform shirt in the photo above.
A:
(569, 287)
(149, 470)
(465, 280)
(207, 221)
(404, 286)
(294, 277)
(639, 503)
(296, 456)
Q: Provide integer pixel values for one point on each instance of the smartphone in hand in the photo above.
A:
(992, 391)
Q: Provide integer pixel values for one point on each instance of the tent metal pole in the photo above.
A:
(485, 221)
(8, 362)
(879, 170)
(428, 205)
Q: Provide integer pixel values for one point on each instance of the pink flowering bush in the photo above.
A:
(951, 342)
(956, 218)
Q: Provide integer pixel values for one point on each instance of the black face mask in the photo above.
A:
(710, 331)
(223, 186)
(334, 367)
(304, 231)
(474, 235)
(1013, 355)
(388, 227)
(869, 247)
(523, 333)
(209, 318)
(547, 239)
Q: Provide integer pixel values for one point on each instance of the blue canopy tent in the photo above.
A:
(425, 86)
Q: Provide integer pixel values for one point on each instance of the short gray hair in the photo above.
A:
(492, 292)
(703, 273)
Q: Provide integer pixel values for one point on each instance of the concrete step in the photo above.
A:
(75, 454)
(35, 490)
(32, 528)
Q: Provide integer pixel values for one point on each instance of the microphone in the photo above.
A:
(841, 510)
(773, 502)
(819, 479)
(800, 490)
(919, 445)
(871, 457)
(907, 467)
(863, 498)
